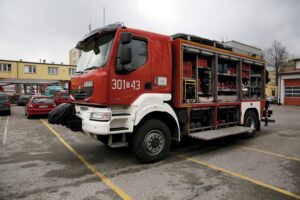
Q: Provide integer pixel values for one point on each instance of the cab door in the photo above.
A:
(129, 81)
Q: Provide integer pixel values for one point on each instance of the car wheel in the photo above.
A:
(151, 141)
(250, 120)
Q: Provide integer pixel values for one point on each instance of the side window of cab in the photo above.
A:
(139, 54)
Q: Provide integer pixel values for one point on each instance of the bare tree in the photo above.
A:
(277, 57)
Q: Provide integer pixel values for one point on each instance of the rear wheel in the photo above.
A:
(250, 120)
(151, 141)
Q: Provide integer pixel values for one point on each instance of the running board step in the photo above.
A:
(223, 132)
(119, 129)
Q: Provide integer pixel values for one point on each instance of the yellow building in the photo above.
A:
(74, 55)
(34, 73)
(271, 88)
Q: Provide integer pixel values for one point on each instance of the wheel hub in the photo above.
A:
(154, 142)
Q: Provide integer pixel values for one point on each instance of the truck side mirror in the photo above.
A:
(126, 55)
(126, 38)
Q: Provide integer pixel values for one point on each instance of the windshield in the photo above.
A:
(42, 100)
(63, 94)
(51, 92)
(89, 58)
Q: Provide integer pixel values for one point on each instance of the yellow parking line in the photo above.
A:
(257, 182)
(270, 153)
(99, 174)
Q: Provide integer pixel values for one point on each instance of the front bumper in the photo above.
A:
(31, 112)
(91, 126)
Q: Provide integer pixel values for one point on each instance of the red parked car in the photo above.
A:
(39, 105)
(62, 96)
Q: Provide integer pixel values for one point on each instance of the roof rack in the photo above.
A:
(201, 40)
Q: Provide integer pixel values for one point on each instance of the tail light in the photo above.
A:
(32, 105)
(6, 104)
(51, 105)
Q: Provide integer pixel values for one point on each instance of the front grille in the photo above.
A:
(79, 95)
(83, 93)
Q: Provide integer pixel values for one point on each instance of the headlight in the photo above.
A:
(100, 116)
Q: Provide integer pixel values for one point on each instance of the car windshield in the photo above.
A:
(96, 53)
(25, 96)
(64, 94)
(42, 100)
(51, 92)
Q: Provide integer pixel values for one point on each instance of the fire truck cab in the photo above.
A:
(143, 90)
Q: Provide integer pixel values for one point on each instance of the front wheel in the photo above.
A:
(151, 141)
(250, 120)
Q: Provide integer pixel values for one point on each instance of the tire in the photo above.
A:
(8, 112)
(250, 120)
(151, 141)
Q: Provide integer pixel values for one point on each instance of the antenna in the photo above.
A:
(103, 16)
(90, 26)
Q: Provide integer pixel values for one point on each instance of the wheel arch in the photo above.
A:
(165, 117)
(257, 115)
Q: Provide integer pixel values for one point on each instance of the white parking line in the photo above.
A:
(5, 131)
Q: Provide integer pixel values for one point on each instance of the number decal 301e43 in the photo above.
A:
(119, 84)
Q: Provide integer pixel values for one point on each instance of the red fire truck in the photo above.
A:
(145, 90)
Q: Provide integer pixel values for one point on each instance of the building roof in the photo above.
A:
(41, 63)
(290, 68)
(4, 81)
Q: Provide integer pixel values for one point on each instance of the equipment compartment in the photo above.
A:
(201, 118)
(227, 80)
(227, 115)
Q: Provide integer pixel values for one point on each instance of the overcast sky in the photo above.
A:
(46, 29)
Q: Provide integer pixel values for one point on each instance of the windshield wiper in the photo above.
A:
(89, 68)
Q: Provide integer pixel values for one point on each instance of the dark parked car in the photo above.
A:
(4, 104)
(39, 105)
(23, 99)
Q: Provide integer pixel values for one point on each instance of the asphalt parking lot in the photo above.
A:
(42, 161)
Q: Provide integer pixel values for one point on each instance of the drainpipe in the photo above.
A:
(18, 85)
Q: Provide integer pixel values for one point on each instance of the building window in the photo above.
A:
(273, 92)
(292, 91)
(5, 67)
(53, 70)
(298, 64)
(30, 69)
(72, 71)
